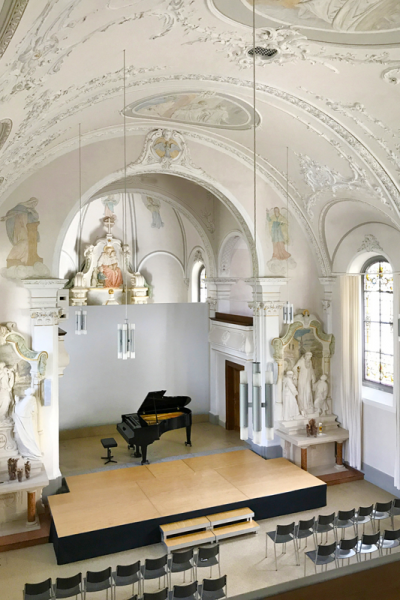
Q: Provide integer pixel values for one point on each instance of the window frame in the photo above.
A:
(366, 382)
(202, 268)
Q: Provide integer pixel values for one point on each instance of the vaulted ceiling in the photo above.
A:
(327, 79)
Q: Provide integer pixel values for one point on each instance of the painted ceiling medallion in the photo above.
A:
(340, 21)
(5, 130)
(208, 109)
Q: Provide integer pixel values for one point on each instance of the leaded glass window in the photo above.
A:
(202, 285)
(378, 324)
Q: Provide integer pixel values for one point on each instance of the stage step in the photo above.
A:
(189, 539)
(234, 529)
(212, 528)
(230, 516)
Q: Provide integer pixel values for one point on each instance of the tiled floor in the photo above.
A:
(242, 559)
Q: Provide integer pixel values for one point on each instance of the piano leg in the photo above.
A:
(144, 456)
(188, 433)
(137, 452)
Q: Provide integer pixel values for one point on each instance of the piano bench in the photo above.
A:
(108, 443)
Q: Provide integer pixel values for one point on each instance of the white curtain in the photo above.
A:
(396, 375)
(352, 366)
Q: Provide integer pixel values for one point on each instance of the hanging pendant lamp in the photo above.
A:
(126, 331)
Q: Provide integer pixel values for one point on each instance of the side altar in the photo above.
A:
(303, 356)
(22, 473)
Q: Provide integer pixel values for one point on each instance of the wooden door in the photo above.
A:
(232, 395)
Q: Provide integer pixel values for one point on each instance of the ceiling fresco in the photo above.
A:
(337, 21)
(200, 108)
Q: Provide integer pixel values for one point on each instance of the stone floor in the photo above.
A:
(242, 559)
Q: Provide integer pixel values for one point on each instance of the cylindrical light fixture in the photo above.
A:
(244, 406)
(80, 322)
(269, 404)
(126, 340)
(256, 403)
(288, 313)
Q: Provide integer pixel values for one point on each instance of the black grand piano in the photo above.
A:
(157, 414)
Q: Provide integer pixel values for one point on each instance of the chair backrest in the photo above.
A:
(326, 519)
(396, 503)
(213, 585)
(369, 539)
(68, 583)
(383, 506)
(391, 534)
(304, 525)
(98, 576)
(184, 591)
(182, 557)
(326, 550)
(346, 515)
(208, 552)
(348, 544)
(160, 595)
(285, 529)
(365, 511)
(153, 564)
(128, 570)
(34, 589)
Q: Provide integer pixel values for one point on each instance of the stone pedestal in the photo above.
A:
(20, 502)
(8, 445)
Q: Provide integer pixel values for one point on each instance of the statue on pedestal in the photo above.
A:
(305, 378)
(24, 428)
(290, 406)
(7, 379)
(321, 396)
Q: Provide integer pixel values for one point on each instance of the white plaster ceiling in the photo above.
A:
(335, 105)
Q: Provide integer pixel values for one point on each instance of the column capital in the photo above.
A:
(46, 316)
(327, 281)
(46, 305)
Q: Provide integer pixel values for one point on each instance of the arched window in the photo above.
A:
(378, 324)
(202, 285)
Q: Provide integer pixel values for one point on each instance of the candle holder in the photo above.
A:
(27, 469)
(20, 472)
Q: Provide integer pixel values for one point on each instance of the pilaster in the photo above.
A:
(328, 284)
(267, 312)
(48, 305)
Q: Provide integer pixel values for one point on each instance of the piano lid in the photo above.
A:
(156, 401)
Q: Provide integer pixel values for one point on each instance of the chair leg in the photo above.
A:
(266, 545)
(305, 557)
(276, 561)
(219, 568)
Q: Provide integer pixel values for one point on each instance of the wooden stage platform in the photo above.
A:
(116, 510)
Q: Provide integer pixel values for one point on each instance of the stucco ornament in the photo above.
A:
(370, 244)
(321, 178)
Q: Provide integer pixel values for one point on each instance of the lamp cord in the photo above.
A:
(80, 200)
(255, 182)
(124, 211)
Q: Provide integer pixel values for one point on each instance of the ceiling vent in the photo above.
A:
(263, 53)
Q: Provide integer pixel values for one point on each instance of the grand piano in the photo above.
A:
(157, 414)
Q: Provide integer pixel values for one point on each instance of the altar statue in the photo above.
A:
(7, 379)
(24, 428)
(290, 406)
(305, 378)
(321, 394)
(108, 266)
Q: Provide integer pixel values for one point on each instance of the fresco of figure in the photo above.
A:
(22, 223)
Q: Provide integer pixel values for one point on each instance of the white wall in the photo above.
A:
(171, 353)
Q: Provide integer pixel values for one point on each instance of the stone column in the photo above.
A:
(267, 314)
(328, 284)
(47, 306)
